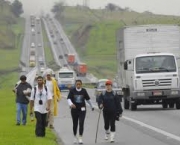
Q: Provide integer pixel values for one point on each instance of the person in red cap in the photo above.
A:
(109, 101)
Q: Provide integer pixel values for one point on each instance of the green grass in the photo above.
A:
(11, 56)
(98, 50)
(11, 134)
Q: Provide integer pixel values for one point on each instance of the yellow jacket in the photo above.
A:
(56, 97)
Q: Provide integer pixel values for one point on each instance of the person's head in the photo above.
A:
(23, 78)
(49, 74)
(40, 80)
(108, 85)
(78, 84)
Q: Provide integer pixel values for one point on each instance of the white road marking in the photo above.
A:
(169, 135)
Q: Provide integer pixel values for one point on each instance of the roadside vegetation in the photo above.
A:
(93, 33)
(11, 36)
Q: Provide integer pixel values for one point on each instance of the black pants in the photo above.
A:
(78, 115)
(40, 124)
(109, 120)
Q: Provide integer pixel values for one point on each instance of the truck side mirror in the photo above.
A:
(125, 65)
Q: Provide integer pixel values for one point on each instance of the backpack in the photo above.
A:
(35, 90)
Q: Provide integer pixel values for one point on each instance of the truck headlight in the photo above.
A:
(174, 92)
(140, 94)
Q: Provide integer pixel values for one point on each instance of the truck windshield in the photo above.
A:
(66, 75)
(151, 64)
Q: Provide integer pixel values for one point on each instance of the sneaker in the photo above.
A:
(106, 136)
(17, 124)
(80, 140)
(112, 137)
(75, 139)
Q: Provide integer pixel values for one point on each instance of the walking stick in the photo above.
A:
(97, 126)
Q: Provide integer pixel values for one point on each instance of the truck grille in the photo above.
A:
(157, 82)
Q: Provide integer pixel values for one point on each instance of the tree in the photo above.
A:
(58, 8)
(17, 8)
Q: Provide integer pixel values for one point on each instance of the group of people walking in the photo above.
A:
(44, 99)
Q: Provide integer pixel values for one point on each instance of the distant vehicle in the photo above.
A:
(71, 59)
(81, 69)
(55, 42)
(66, 78)
(33, 31)
(60, 57)
(32, 51)
(39, 45)
(100, 87)
(32, 61)
(41, 61)
(33, 44)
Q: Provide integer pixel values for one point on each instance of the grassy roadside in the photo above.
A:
(10, 134)
(11, 56)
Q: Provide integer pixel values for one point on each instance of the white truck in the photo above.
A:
(148, 65)
(66, 78)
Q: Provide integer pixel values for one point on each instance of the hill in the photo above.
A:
(7, 20)
(93, 33)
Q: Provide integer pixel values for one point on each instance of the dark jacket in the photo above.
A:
(20, 97)
(111, 102)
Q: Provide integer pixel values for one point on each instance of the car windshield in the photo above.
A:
(151, 64)
(66, 75)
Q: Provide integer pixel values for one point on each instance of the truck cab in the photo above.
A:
(152, 79)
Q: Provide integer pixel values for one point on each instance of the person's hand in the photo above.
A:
(73, 106)
(48, 109)
(101, 106)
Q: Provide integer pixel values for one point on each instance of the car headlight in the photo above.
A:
(119, 92)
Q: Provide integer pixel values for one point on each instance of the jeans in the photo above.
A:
(23, 108)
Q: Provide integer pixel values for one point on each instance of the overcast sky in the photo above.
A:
(168, 7)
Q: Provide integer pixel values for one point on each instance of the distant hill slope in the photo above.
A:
(7, 19)
(93, 33)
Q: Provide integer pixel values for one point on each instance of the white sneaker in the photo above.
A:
(112, 135)
(106, 136)
(75, 140)
(80, 140)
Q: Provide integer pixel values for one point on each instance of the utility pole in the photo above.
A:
(85, 3)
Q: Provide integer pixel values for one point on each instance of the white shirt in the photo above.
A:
(44, 97)
(49, 85)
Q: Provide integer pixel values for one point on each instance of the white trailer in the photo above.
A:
(148, 68)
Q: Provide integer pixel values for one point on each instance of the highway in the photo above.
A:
(147, 125)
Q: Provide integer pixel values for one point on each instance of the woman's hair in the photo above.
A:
(78, 81)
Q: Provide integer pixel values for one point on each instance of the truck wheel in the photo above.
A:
(178, 104)
(133, 106)
(171, 105)
(126, 103)
(164, 104)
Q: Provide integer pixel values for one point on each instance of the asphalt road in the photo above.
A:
(146, 126)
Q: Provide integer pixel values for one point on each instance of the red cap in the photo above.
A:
(109, 82)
